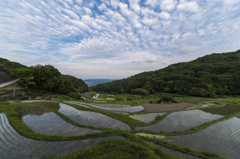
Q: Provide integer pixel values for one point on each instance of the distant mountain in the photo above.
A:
(93, 82)
(206, 76)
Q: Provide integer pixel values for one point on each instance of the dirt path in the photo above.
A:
(165, 107)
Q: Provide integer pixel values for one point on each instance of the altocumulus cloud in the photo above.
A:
(116, 38)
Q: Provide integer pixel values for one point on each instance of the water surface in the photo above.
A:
(222, 138)
(92, 118)
(147, 118)
(15, 146)
(111, 107)
(182, 120)
(44, 121)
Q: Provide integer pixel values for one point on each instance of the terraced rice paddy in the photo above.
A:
(15, 146)
(126, 109)
(180, 121)
(92, 118)
(173, 152)
(44, 121)
(146, 118)
(222, 138)
(223, 110)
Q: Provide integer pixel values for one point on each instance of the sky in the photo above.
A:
(116, 38)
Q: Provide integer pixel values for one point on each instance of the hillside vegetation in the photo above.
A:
(206, 76)
(5, 74)
(11, 65)
(42, 78)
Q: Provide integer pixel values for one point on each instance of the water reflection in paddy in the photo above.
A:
(182, 120)
(43, 121)
(15, 146)
(110, 107)
(222, 138)
(147, 118)
(92, 118)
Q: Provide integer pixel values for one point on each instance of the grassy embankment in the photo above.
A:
(120, 149)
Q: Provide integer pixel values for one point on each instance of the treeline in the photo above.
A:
(43, 78)
(11, 65)
(208, 76)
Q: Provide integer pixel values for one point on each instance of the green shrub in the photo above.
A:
(129, 98)
(48, 97)
(19, 95)
(141, 91)
(118, 98)
(166, 99)
(64, 97)
(74, 95)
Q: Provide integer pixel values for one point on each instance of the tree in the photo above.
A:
(26, 76)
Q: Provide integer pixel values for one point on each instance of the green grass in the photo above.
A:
(180, 148)
(225, 110)
(119, 149)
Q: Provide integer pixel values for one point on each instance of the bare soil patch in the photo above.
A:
(165, 107)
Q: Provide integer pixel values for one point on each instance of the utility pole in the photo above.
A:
(121, 99)
(14, 90)
(81, 94)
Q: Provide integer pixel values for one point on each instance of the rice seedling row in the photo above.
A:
(221, 138)
(29, 148)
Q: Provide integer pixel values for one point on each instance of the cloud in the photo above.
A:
(79, 1)
(188, 7)
(134, 4)
(114, 3)
(102, 7)
(168, 5)
(164, 15)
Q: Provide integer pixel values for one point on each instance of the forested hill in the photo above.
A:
(11, 65)
(206, 76)
(44, 78)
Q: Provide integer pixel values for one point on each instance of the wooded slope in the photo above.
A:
(213, 74)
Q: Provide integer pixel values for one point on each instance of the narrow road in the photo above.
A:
(8, 83)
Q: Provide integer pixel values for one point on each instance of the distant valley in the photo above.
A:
(93, 82)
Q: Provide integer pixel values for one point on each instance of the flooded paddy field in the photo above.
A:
(181, 120)
(222, 138)
(43, 121)
(223, 110)
(111, 107)
(146, 118)
(91, 118)
(15, 146)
